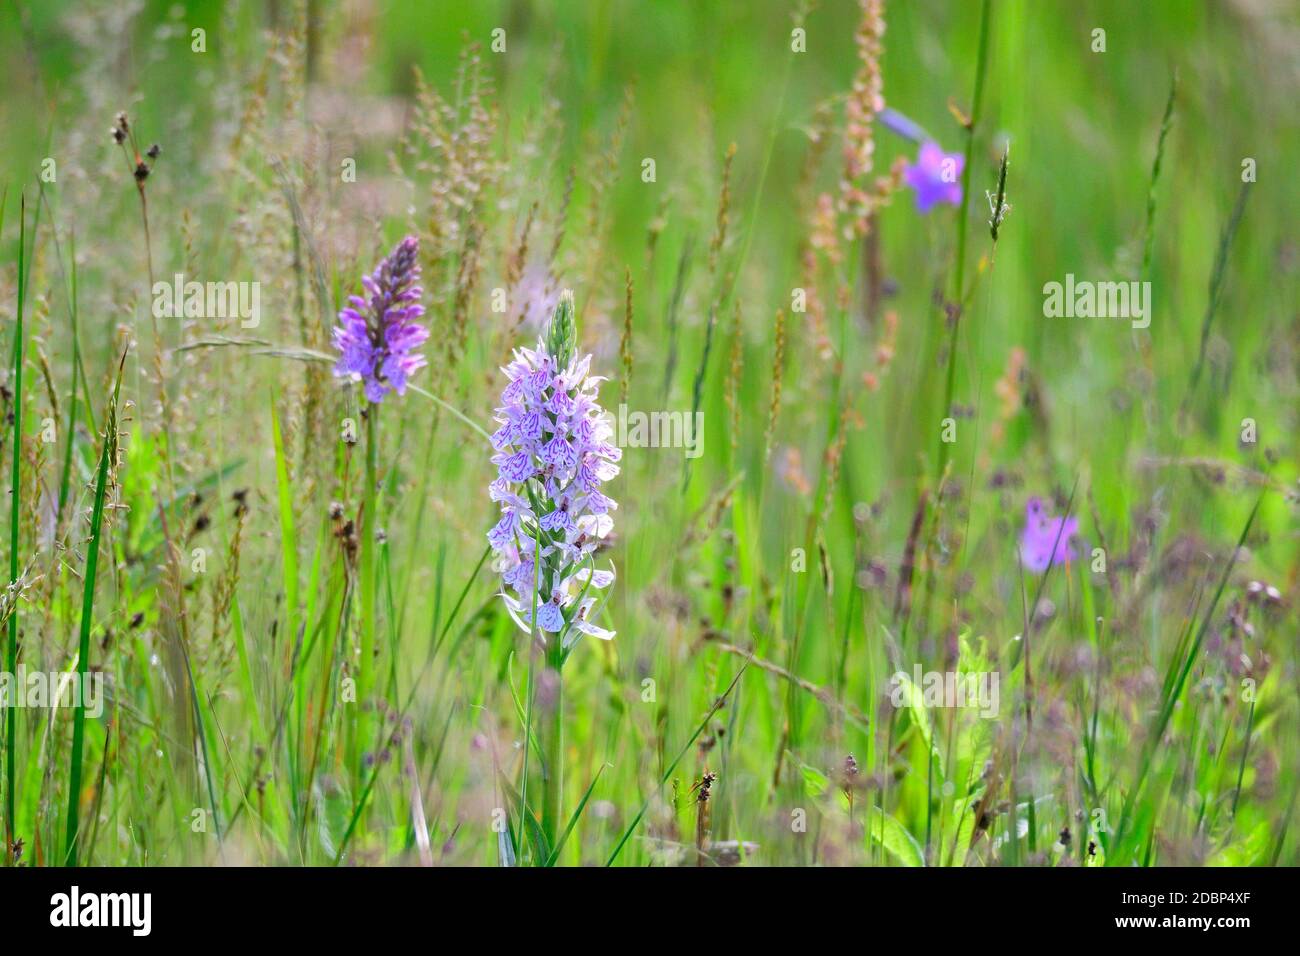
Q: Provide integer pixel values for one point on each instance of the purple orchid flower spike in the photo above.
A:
(935, 177)
(1046, 541)
(553, 456)
(379, 334)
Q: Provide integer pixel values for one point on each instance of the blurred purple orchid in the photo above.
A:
(1046, 541)
(935, 177)
(378, 336)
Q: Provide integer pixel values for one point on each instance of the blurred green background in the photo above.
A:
(1082, 126)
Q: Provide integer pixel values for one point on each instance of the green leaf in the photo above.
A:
(334, 807)
(1248, 851)
(533, 829)
(505, 847)
(914, 698)
(519, 707)
(814, 781)
(964, 822)
(893, 836)
(817, 783)
(573, 820)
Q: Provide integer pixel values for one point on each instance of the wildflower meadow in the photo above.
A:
(522, 433)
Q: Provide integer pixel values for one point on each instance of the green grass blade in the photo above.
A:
(87, 608)
(1165, 125)
(573, 820)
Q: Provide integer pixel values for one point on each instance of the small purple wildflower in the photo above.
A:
(936, 177)
(553, 456)
(379, 335)
(1046, 541)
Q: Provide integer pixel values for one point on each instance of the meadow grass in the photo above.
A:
(288, 591)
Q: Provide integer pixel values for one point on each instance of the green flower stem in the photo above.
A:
(554, 737)
(369, 525)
